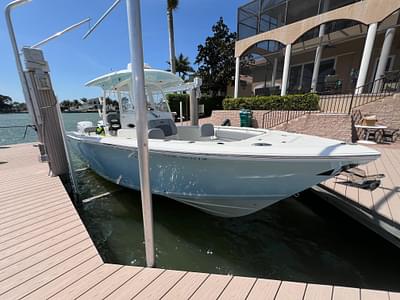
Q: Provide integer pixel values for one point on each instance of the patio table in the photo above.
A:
(370, 129)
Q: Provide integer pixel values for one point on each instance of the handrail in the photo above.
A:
(275, 118)
(346, 101)
(343, 103)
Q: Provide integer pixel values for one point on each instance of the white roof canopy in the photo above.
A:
(162, 79)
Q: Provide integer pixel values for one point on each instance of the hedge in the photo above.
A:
(289, 102)
(173, 101)
(210, 103)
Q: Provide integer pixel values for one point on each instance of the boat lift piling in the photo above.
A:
(181, 112)
(41, 101)
(194, 104)
(139, 96)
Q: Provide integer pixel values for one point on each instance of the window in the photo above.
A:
(300, 10)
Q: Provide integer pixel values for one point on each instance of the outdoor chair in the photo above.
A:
(384, 135)
(390, 135)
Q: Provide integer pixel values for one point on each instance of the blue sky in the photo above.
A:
(74, 61)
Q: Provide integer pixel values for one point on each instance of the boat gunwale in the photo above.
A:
(224, 156)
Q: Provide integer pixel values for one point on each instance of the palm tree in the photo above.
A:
(183, 66)
(171, 6)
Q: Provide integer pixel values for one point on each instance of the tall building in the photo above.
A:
(332, 46)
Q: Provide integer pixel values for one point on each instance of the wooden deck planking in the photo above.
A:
(38, 240)
(38, 257)
(80, 287)
(238, 288)
(394, 296)
(264, 289)
(391, 183)
(38, 280)
(46, 252)
(344, 293)
(374, 295)
(39, 232)
(25, 275)
(291, 291)
(27, 253)
(73, 272)
(111, 283)
(136, 284)
(318, 292)
(8, 225)
(382, 206)
(32, 228)
(212, 287)
(186, 286)
(31, 222)
(158, 288)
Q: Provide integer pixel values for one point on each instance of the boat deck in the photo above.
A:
(379, 209)
(46, 252)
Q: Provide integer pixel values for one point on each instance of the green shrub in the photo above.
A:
(173, 101)
(211, 103)
(289, 102)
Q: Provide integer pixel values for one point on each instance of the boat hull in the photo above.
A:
(223, 186)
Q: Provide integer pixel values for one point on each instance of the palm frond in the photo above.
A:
(172, 4)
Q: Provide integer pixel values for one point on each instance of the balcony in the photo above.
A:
(264, 15)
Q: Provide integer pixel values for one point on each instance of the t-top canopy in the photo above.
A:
(162, 79)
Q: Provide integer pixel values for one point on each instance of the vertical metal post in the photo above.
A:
(139, 96)
(194, 106)
(286, 65)
(104, 111)
(351, 104)
(181, 112)
(237, 77)
(18, 62)
(68, 155)
(366, 58)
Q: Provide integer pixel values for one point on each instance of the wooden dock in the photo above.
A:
(46, 252)
(379, 209)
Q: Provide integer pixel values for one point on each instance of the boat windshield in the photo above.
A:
(156, 99)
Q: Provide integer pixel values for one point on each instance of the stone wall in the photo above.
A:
(219, 116)
(387, 110)
(335, 126)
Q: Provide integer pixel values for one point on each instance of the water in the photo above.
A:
(302, 239)
(9, 136)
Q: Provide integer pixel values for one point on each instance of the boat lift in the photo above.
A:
(41, 101)
(45, 112)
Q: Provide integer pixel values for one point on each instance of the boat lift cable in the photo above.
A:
(107, 12)
(58, 34)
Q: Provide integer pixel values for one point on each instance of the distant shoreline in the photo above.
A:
(64, 112)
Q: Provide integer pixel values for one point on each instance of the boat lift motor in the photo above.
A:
(359, 178)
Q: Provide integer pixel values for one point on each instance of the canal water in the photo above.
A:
(298, 239)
